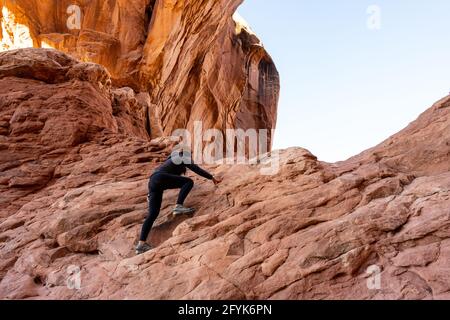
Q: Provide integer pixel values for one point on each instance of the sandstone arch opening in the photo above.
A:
(14, 34)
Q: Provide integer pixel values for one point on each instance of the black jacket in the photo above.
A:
(177, 165)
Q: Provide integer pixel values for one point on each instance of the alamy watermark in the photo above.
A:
(74, 19)
(374, 19)
(73, 280)
(374, 279)
(235, 146)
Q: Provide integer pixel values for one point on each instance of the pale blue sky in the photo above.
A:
(344, 87)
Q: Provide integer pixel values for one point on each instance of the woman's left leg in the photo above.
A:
(187, 185)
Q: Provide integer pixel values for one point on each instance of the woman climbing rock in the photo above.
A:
(169, 176)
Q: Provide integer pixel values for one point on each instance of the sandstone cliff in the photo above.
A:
(75, 157)
(191, 57)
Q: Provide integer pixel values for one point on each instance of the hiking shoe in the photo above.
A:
(142, 248)
(179, 210)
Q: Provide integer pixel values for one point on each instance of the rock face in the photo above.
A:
(74, 163)
(191, 57)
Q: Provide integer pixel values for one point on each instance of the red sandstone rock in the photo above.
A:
(193, 60)
(74, 163)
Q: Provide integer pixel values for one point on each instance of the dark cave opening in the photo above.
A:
(149, 9)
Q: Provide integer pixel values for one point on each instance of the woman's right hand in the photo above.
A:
(216, 180)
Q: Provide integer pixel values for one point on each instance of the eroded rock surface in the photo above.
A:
(74, 163)
(192, 58)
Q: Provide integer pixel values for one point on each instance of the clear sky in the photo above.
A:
(346, 85)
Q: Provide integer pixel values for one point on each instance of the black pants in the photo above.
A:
(156, 186)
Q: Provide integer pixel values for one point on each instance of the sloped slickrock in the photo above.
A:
(74, 164)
